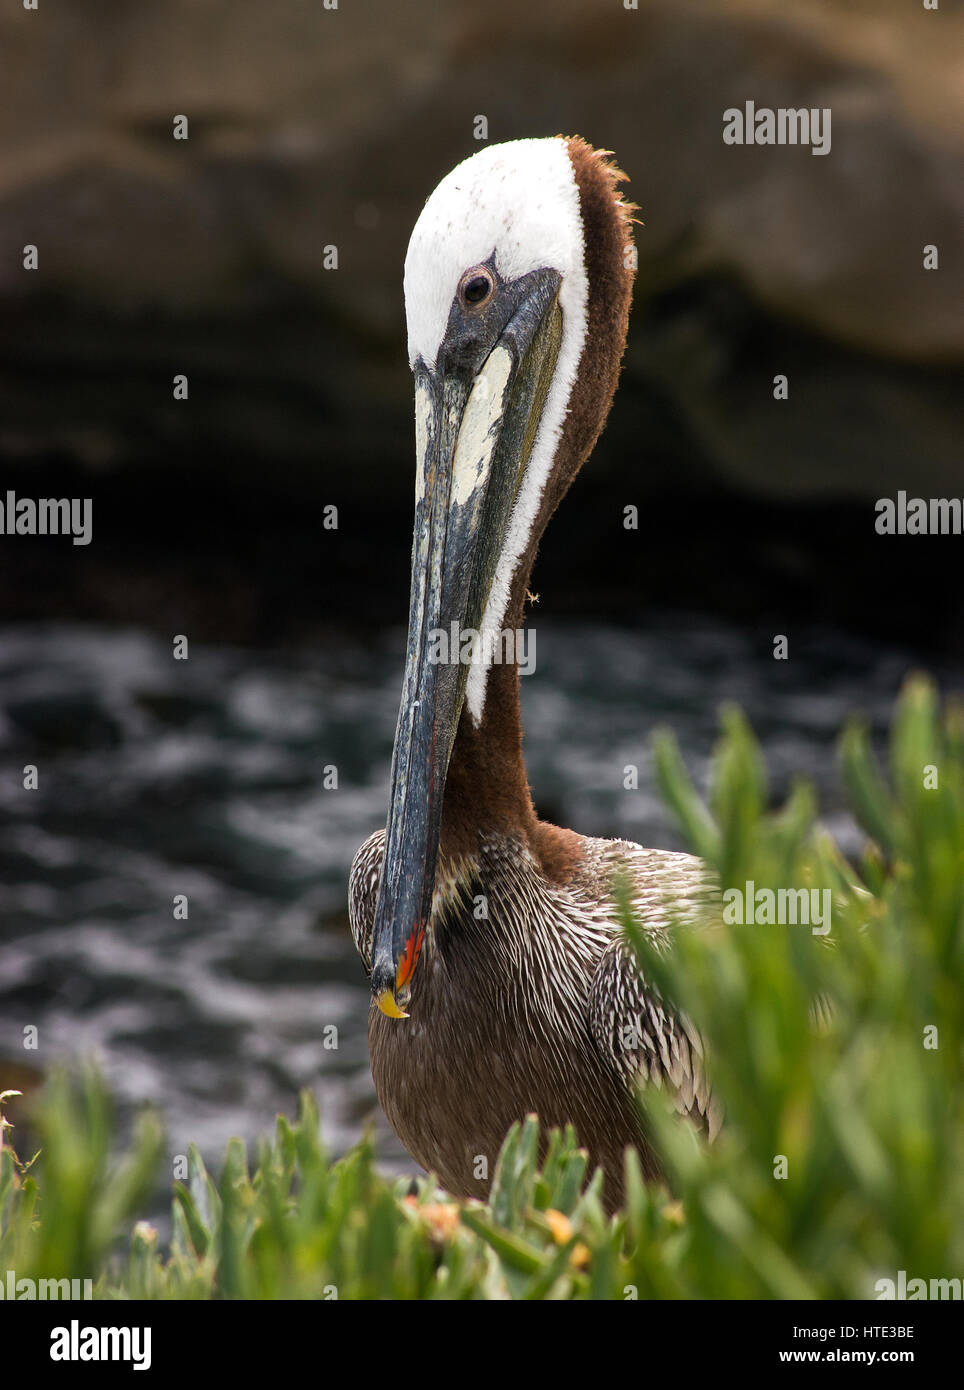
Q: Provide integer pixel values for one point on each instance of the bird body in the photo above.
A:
(500, 982)
(535, 1007)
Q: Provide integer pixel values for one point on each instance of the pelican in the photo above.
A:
(500, 982)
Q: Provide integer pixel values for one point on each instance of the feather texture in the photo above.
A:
(528, 1000)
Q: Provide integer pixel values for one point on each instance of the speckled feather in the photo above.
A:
(538, 1006)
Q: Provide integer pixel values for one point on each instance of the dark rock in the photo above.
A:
(313, 127)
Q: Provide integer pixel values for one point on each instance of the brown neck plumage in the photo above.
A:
(487, 789)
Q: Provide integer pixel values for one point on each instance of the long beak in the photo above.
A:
(474, 434)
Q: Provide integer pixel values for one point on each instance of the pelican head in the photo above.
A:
(500, 303)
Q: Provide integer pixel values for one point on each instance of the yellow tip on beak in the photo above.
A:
(386, 1002)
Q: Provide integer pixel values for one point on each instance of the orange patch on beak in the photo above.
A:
(387, 1001)
(410, 955)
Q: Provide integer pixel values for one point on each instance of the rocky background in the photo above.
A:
(312, 127)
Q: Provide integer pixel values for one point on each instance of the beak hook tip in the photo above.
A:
(388, 1004)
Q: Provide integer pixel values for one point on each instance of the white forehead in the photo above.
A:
(519, 200)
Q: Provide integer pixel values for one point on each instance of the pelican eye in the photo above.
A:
(477, 286)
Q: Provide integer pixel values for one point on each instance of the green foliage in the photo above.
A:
(817, 1043)
(298, 1226)
(815, 1046)
(86, 1197)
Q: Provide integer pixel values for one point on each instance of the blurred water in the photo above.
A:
(204, 777)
